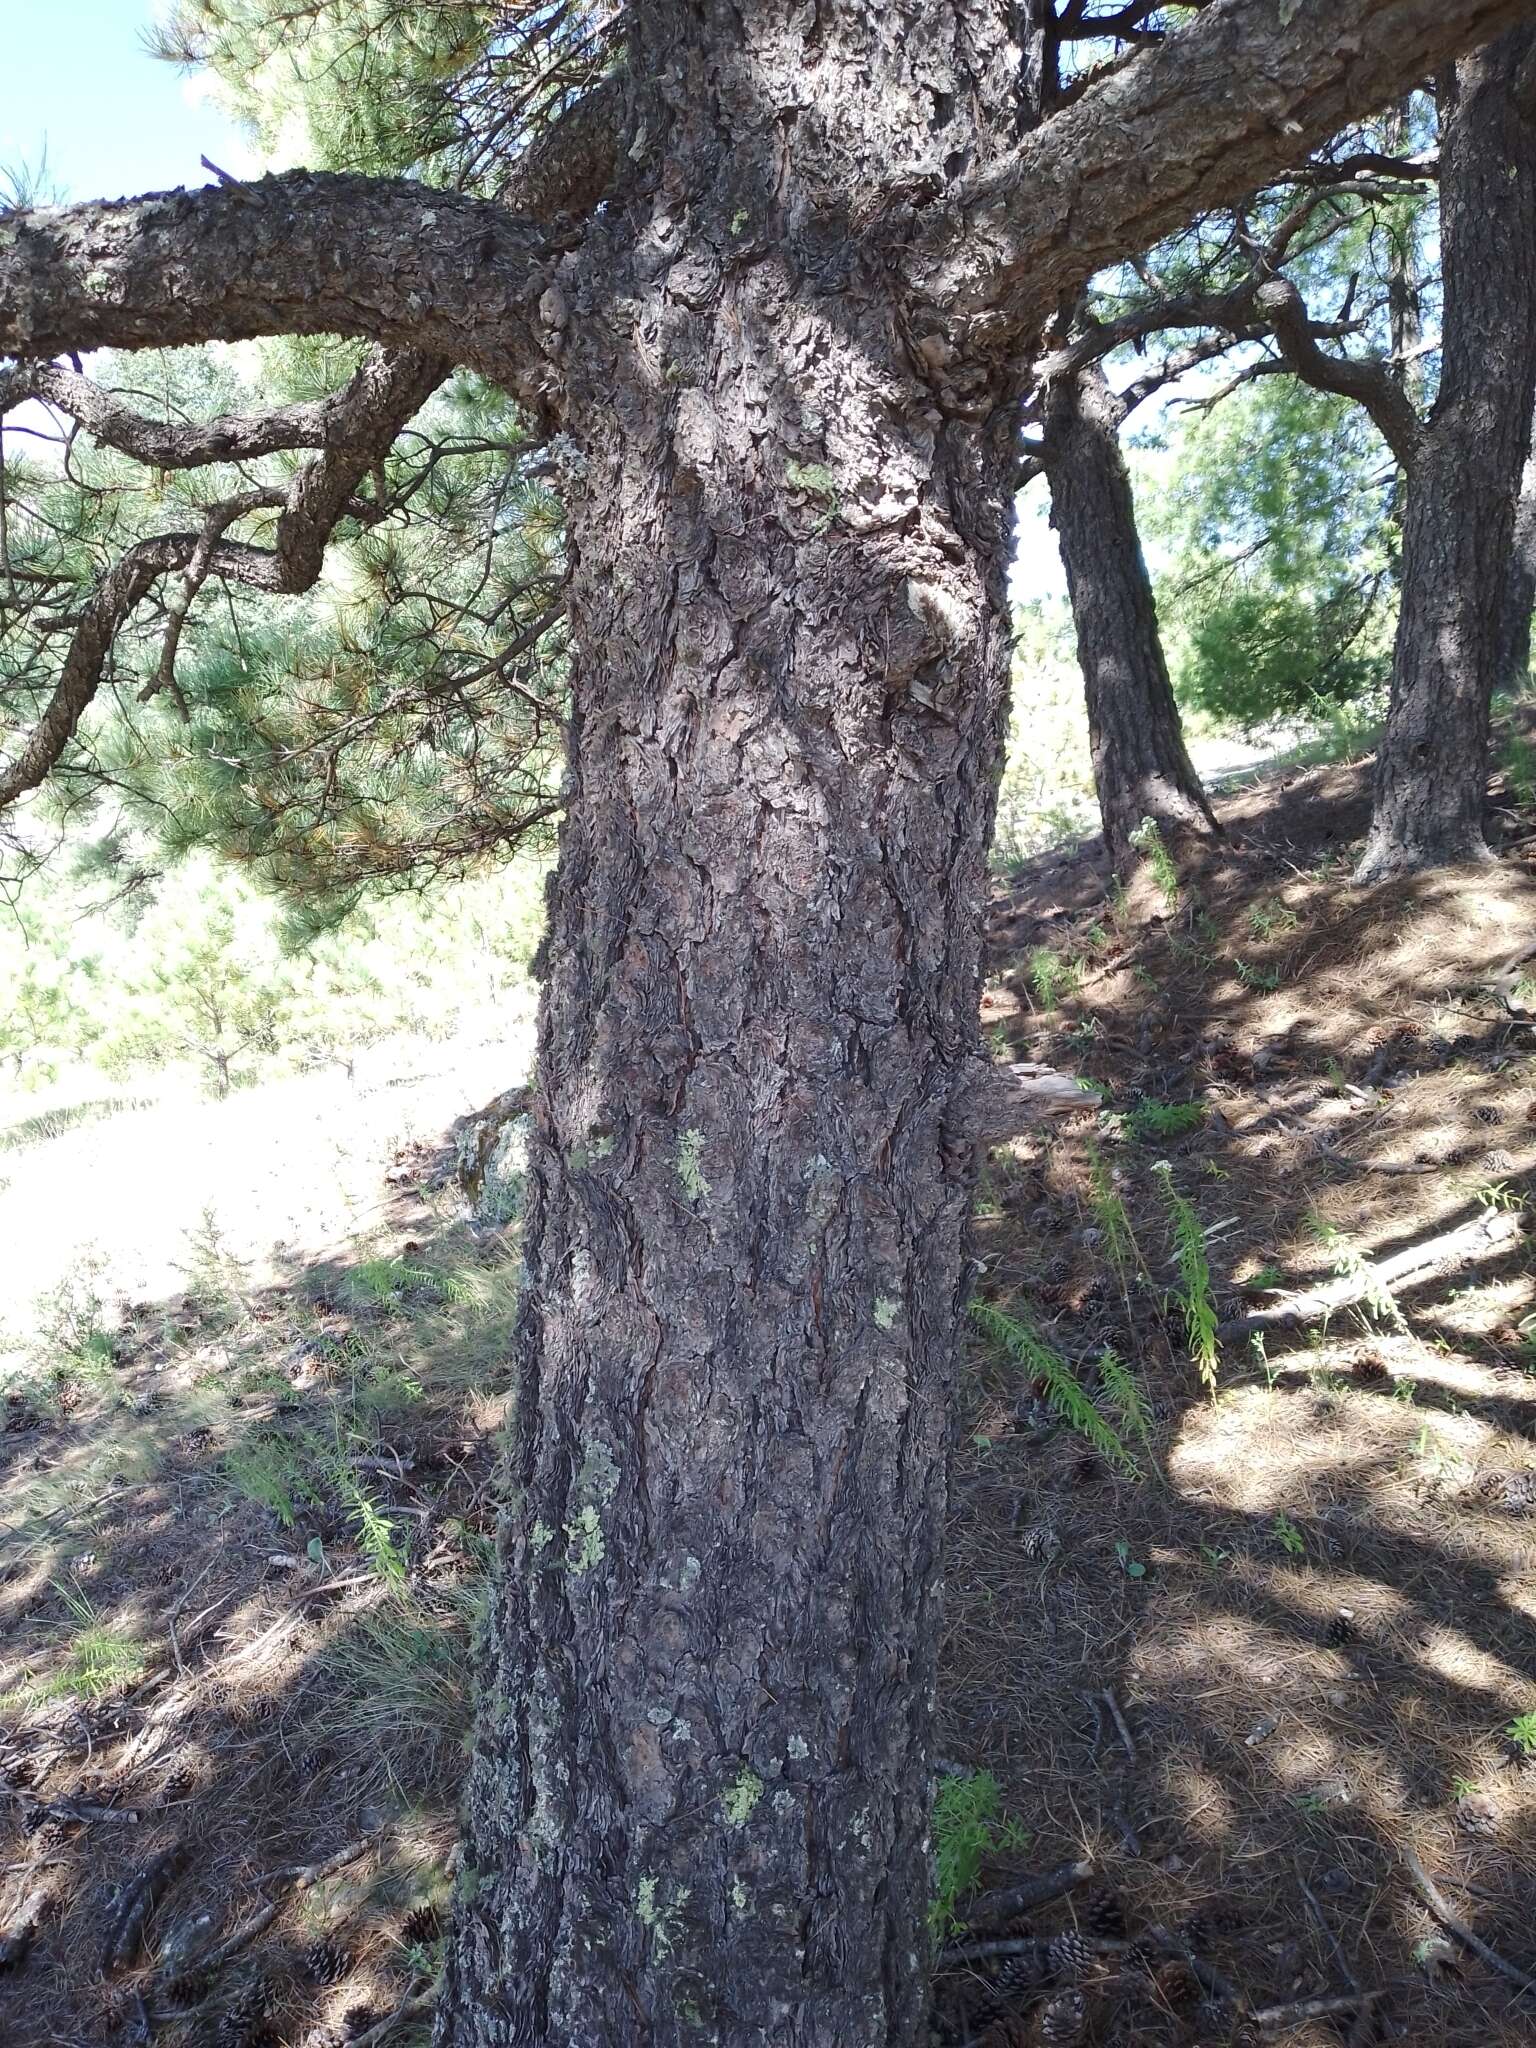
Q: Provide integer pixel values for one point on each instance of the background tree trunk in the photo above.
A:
(699, 1799)
(1513, 667)
(1431, 770)
(1141, 767)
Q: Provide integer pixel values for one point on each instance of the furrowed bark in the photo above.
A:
(303, 252)
(1459, 510)
(1141, 767)
(699, 1797)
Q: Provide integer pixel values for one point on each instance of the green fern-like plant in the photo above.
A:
(375, 1531)
(1063, 1389)
(1150, 1118)
(968, 1826)
(1194, 1294)
(1126, 1401)
(1113, 1219)
(1150, 844)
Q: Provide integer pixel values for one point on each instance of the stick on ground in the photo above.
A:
(1429, 1892)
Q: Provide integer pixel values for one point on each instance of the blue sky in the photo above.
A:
(75, 75)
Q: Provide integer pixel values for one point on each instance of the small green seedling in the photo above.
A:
(1132, 1567)
(1522, 1733)
(1288, 1536)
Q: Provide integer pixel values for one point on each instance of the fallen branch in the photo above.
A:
(993, 1908)
(125, 1935)
(17, 1937)
(1490, 1231)
(1430, 1893)
(1272, 2018)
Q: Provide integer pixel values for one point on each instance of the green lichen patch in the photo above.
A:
(584, 1542)
(739, 1801)
(690, 1153)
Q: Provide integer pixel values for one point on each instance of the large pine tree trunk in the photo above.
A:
(1458, 524)
(699, 1797)
(1141, 767)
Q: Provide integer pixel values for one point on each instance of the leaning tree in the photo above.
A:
(776, 305)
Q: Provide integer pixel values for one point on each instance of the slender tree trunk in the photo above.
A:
(1513, 668)
(1431, 771)
(699, 1798)
(1141, 767)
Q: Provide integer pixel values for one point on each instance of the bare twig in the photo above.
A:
(1337, 1947)
(1272, 2018)
(1430, 1893)
(300, 1877)
(1122, 1727)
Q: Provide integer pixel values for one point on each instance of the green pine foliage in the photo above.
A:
(1125, 1401)
(968, 1827)
(1274, 519)
(1193, 1294)
(1020, 1338)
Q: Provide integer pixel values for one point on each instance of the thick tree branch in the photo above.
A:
(1368, 382)
(365, 418)
(300, 253)
(167, 445)
(1221, 109)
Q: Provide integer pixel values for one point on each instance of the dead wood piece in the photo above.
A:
(125, 1931)
(1430, 1893)
(17, 1938)
(300, 1877)
(1491, 1230)
(993, 1908)
(1126, 1830)
(1273, 2019)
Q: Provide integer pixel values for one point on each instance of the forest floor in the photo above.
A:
(1254, 1653)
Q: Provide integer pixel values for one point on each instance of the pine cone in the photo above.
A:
(1064, 2018)
(1340, 1630)
(1015, 1977)
(245, 2021)
(1139, 1957)
(1040, 1541)
(357, 2019)
(1476, 1817)
(1069, 1954)
(188, 1989)
(1488, 1113)
(422, 1927)
(327, 1961)
(1104, 1915)
(1178, 1988)
(1370, 1370)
